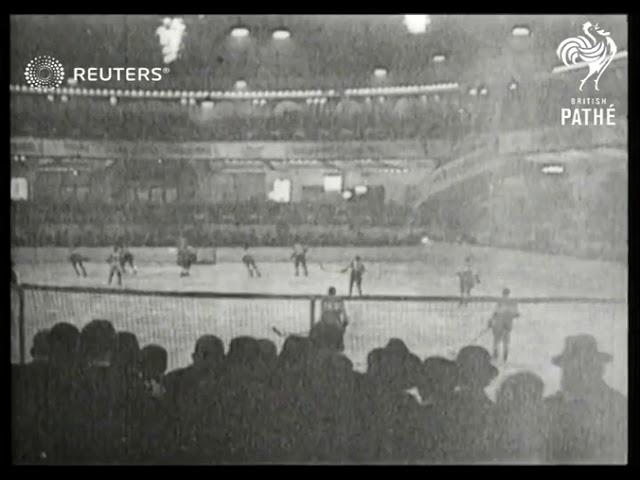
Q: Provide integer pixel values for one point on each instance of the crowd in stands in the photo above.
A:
(95, 396)
(167, 120)
(89, 223)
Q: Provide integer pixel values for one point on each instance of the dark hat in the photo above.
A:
(475, 362)
(154, 360)
(97, 338)
(243, 350)
(396, 345)
(581, 348)
(63, 340)
(267, 348)
(40, 344)
(506, 291)
(295, 351)
(522, 388)
(127, 348)
(209, 346)
(439, 368)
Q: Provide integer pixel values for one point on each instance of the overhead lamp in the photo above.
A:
(281, 34)
(380, 72)
(240, 32)
(521, 31)
(417, 24)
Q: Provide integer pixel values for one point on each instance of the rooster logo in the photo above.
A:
(596, 51)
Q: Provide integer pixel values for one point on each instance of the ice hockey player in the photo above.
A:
(329, 332)
(249, 262)
(468, 280)
(299, 257)
(501, 324)
(357, 272)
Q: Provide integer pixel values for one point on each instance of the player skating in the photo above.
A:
(329, 331)
(501, 324)
(299, 257)
(186, 257)
(357, 271)
(115, 262)
(468, 280)
(77, 262)
(127, 259)
(249, 262)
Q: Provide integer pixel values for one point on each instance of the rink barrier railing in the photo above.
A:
(311, 298)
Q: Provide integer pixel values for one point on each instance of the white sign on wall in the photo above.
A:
(19, 189)
(281, 192)
(333, 183)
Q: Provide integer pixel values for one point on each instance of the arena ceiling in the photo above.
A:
(322, 51)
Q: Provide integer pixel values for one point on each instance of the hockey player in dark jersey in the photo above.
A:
(299, 257)
(329, 331)
(468, 280)
(77, 262)
(115, 262)
(186, 257)
(127, 259)
(355, 277)
(249, 262)
(501, 324)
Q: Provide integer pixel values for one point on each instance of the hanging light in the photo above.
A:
(380, 72)
(240, 32)
(417, 24)
(281, 34)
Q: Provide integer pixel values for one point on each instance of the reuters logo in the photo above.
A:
(44, 72)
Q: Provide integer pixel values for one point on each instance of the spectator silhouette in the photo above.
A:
(588, 418)
(29, 400)
(333, 413)
(292, 391)
(157, 419)
(268, 356)
(242, 393)
(519, 424)
(126, 371)
(190, 389)
(40, 348)
(471, 407)
(64, 342)
(391, 371)
(433, 421)
(97, 403)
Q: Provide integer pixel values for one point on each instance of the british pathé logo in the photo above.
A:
(596, 49)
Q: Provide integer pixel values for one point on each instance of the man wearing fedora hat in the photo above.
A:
(470, 406)
(588, 418)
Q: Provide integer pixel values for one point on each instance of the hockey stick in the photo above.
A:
(452, 352)
(283, 334)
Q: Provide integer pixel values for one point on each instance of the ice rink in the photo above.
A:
(428, 328)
